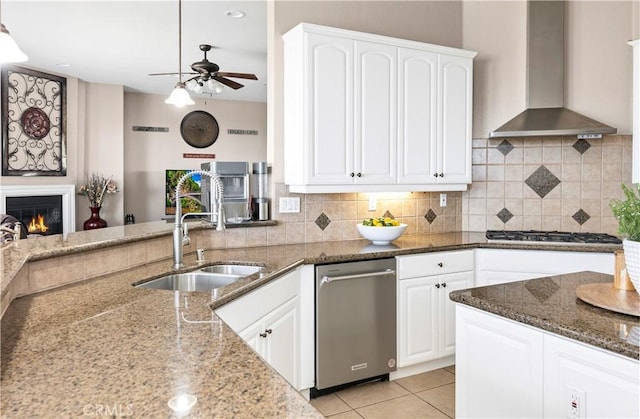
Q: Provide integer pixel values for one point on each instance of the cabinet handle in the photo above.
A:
(269, 331)
(440, 264)
(352, 174)
(441, 175)
(435, 175)
(444, 285)
(359, 174)
(437, 285)
(263, 335)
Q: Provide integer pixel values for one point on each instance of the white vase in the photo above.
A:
(632, 261)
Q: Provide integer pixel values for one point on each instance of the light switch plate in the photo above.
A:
(289, 205)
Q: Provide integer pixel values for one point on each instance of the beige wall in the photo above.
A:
(102, 150)
(94, 144)
(148, 154)
(597, 60)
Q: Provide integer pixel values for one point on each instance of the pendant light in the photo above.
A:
(179, 96)
(9, 51)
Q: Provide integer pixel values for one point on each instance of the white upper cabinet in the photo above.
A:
(375, 114)
(636, 110)
(371, 113)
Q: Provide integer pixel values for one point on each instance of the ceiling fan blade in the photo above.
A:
(237, 75)
(230, 83)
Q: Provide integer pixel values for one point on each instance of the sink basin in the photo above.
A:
(242, 270)
(191, 281)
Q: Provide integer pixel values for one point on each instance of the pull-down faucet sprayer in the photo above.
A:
(180, 237)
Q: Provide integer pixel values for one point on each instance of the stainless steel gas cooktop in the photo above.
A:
(551, 236)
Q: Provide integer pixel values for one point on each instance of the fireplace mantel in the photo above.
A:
(66, 191)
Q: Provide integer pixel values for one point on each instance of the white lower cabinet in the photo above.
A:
(426, 316)
(273, 337)
(276, 320)
(505, 369)
(497, 266)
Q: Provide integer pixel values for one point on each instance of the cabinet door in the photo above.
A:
(609, 384)
(417, 95)
(447, 322)
(251, 335)
(456, 78)
(375, 113)
(329, 110)
(498, 367)
(635, 169)
(282, 340)
(417, 320)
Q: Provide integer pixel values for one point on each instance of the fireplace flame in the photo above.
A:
(37, 226)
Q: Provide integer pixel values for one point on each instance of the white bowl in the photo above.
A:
(381, 235)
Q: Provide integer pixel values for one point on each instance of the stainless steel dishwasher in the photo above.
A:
(355, 323)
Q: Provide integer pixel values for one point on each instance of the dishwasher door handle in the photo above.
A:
(327, 279)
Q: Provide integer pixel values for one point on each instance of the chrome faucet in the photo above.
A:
(180, 236)
(15, 231)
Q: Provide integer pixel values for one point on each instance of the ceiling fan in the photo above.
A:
(204, 71)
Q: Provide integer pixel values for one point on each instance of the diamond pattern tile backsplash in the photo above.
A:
(332, 217)
(550, 183)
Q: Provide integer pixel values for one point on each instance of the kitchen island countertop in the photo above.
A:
(551, 304)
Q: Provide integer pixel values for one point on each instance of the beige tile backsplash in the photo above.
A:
(345, 210)
(588, 181)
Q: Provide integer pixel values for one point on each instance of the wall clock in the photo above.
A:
(199, 129)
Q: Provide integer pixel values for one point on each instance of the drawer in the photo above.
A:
(436, 263)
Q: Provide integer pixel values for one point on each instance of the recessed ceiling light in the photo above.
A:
(235, 13)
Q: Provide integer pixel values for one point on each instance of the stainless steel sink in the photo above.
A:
(204, 279)
(191, 281)
(242, 270)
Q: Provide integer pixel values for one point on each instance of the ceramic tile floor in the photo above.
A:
(427, 395)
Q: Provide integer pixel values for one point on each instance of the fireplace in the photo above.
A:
(49, 209)
(38, 214)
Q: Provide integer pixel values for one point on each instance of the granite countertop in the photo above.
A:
(551, 304)
(104, 344)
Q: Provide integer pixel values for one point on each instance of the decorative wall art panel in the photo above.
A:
(33, 123)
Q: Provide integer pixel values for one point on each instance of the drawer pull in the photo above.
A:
(437, 285)
(269, 331)
(444, 285)
(263, 335)
(440, 264)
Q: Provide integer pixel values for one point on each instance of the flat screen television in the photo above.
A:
(189, 194)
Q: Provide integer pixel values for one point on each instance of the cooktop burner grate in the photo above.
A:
(552, 236)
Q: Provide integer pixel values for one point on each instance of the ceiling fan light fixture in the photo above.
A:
(179, 96)
(214, 86)
(10, 52)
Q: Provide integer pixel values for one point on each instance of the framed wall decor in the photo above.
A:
(33, 123)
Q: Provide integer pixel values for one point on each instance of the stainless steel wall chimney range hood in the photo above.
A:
(545, 114)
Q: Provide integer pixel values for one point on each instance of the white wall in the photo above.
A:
(148, 154)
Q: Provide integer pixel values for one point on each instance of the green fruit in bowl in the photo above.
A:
(380, 222)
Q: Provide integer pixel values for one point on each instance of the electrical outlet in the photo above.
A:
(372, 203)
(289, 205)
(443, 199)
(576, 403)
